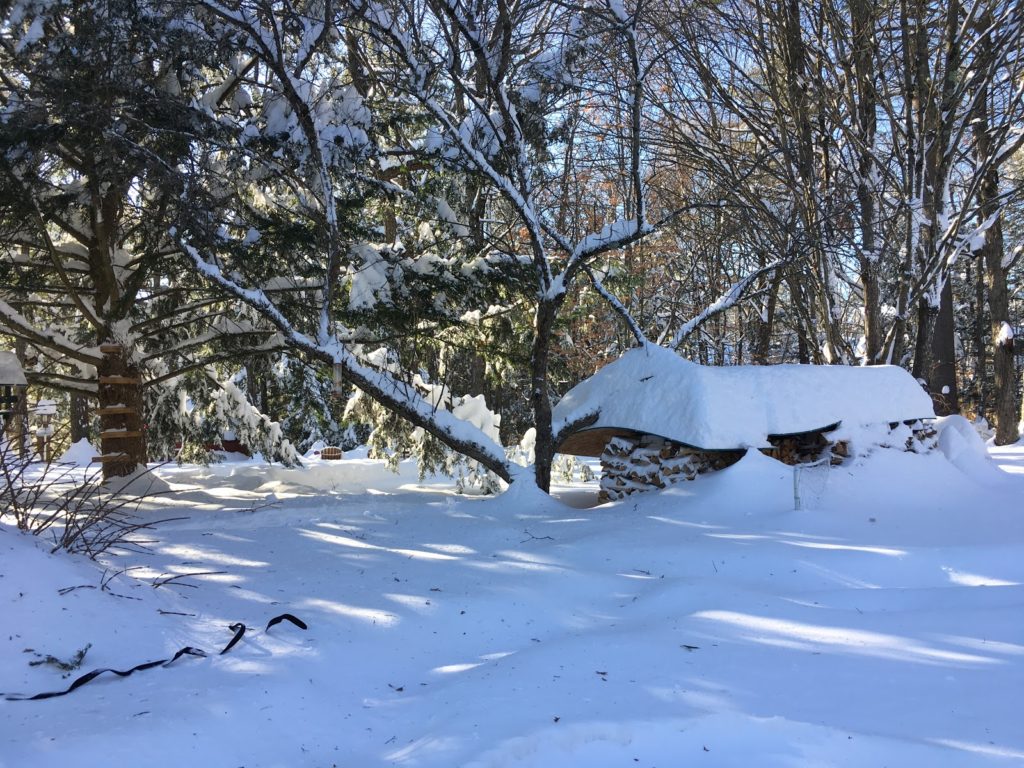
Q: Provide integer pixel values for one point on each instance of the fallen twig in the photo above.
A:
(170, 580)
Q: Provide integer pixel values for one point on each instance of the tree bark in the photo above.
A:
(19, 418)
(1003, 362)
(979, 329)
(79, 417)
(762, 344)
(121, 428)
(862, 28)
(544, 449)
(942, 381)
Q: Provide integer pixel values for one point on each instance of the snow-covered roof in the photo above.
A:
(651, 390)
(10, 370)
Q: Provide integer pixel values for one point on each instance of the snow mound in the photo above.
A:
(523, 495)
(80, 454)
(963, 447)
(652, 390)
(314, 450)
(754, 484)
(142, 482)
(314, 476)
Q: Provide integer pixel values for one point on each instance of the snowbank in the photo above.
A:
(709, 625)
(960, 443)
(80, 454)
(652, 390)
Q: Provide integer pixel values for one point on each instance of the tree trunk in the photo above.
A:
(802, 324)
(942, 381)
(763, 342)
(79, 417)
(19, 418)
(121, 431)
(544, 450)
(862, 27)
(872, 311)
(1005, 384)
(926, 314)
(979, 327)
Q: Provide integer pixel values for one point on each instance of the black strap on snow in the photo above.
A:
(286, 617)
(238, 628)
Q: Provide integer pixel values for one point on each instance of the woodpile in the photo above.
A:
(645, 463)
(628, 466)
(805, 448)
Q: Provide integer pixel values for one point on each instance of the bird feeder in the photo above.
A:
(12, 385)
(44, 412)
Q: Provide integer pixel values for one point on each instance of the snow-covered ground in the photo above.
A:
(711, 624)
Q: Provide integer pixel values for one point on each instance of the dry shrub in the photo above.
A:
(72, 505)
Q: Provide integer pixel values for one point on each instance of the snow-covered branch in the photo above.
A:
(383, 387)
(19, 325)
(726, 301)
(617, 306)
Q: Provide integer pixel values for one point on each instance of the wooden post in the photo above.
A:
(122, 437)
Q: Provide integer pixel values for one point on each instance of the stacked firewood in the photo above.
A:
(629, 466)
(805, 449)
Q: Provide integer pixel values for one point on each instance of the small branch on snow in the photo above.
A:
(535, 538)
(160, 582)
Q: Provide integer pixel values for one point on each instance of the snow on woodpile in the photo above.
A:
(652, 390)
(10, 370)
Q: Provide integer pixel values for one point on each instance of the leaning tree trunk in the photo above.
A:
(122, 435)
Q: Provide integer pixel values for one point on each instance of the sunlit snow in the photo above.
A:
(710, 624)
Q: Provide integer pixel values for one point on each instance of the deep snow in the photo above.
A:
(709, 624)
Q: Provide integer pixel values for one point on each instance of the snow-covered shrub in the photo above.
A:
(303, 395)
(188, 414)
(393, 439)
(570, 468)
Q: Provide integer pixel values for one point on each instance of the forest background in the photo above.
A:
(419, 222)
